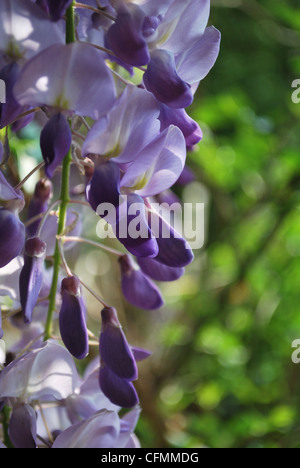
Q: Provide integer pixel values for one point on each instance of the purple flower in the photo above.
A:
(57, 8)
(12, 236)
(22, 427)
(120, 392)
(125, 37)
(46, 372)
(114, 349)
(39, 204)
(55, 141)
(118, 365)
(162, 79)
(31, 276)
(158, 271)
(72, 318)
(63, 77)
(139, 290)
(190, 129)
(11, 109)
(25, 30)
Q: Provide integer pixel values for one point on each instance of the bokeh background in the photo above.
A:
(221, 373)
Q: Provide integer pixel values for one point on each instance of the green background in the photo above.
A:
(221, 374)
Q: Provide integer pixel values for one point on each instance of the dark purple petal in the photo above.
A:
(187, 176)
(22, 427)
(162, 79)
(114, 349)
(58, 8)
(190, 129)
(133, 230)
(31, 277)
(55, 141)
(125, 36)
(174, 250)
(12, 236)
(140, 354)
(159, 272)
(150, 25)
(11, 109)
(139, 290)
(72, 318)
(104, 186)
(119, 391)
(38, 204)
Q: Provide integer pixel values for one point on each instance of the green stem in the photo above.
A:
(64, 198)
(70, 25)
(5, 424)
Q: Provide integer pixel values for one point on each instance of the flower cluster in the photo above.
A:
(109, 82)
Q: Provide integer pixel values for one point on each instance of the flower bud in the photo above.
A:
(139, 290)
(31, 276)
(39, 204)
(72, 318)
(115, 352)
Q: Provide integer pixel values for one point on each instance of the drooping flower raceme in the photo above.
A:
(109, 87)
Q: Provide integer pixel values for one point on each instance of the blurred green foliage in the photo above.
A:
(221, 374)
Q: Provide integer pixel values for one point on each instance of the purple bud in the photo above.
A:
(139, 290)
(55, 141)
(72, 318)
(115, 352)
(125, 36)
(39, 204)
(119, 391)
(57, 8)
(12, 236)
(134, 233)
(174, 250)
(162, 79)
(31, 277)
(104, 186)
(22, 427)
(159, 272)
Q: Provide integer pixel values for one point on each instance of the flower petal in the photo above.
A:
(31, 276)
(63, 77)
(104, 186)
(99, 431)
(139, 290)
(125, 36)
(162, 79)
(159, 272)
(72, 318)
(22, 427)
(133, 230)
(190, 129)
(114, 349)
(12, 236)
(195, 63)
(56, 139)
(119, 391)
